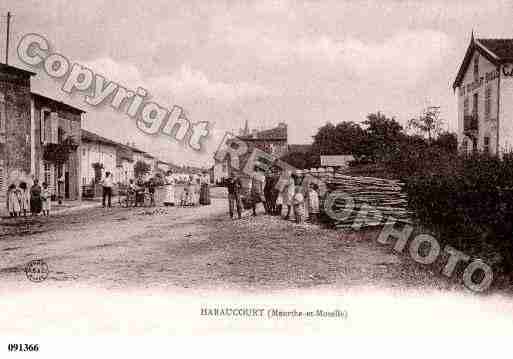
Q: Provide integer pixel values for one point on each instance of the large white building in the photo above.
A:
(484, 86)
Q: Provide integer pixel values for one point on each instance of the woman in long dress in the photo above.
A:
(204, 191)
(35, 198)
(24, 198)
(13, 201)
(288, 195)
(169, 186)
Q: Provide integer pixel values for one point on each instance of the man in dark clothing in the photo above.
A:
(234, 186)
(151, 190)
(270, 193)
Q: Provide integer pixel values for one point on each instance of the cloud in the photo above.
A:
(193, 83)
(183, 83)
(404, 57)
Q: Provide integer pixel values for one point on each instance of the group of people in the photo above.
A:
(21, 199)
(298, 197)
(195, 192)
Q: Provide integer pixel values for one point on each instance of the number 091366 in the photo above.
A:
(23, 347)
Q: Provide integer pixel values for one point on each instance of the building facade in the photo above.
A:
(57, 128)
(39, 137)
(17, 138)
(484, 86)
(100, 152)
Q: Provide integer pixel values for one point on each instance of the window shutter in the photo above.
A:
(3, 113)
(2, 178)
(54, 128)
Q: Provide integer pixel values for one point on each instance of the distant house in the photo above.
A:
(220, 172)
(299, 148)
(101, 150)
(484, 83)
(339, 161)
(273, 141)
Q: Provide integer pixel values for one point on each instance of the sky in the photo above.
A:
(305, 63)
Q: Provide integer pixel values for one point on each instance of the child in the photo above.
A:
(298, 201)
(46, 199)
(24, 199)
(191, 193)
(13, 201)
(313, 203)
(279, 204)
(184, 197)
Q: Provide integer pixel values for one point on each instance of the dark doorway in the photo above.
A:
(66, 185)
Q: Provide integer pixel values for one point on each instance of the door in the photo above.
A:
(66, 185)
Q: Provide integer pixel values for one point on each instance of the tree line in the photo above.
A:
(379, 140)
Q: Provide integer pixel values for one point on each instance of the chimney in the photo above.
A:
(282, 125)
(254, 133)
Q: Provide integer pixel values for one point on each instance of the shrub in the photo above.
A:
(469, 203)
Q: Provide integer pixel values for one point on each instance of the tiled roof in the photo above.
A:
(51, 100)
(277, 133)
(93, 137)
(495, 50)
(15, 70)
(502, 48)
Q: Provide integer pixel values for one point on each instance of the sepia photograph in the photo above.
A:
(241, 168)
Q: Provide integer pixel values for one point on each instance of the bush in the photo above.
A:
(469, 203)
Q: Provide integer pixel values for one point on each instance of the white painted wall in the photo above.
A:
(96, 152)
(487, 126)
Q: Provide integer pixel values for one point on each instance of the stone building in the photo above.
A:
(484, 85)
(17, 138)
(273, 141)
(39, 137)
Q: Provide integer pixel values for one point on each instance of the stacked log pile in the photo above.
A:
(375, 200)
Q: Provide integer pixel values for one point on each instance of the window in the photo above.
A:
(475, 107)
(464, 146)
(486, 146)
(474, 145)
(83, 152)
(2, 179)
(3, 114)
(60, 135)
(47, 173)
(465, 107)
(476, 68)
(45, 126)
(488, 102)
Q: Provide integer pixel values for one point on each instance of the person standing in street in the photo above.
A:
(205, 190)
(107, 185)
(288, 195)
(24, 199)
(257, 191)
(46, 199)
(13, 201)
(35, 198)
(234, 186)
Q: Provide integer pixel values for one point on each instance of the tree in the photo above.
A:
(447, 141)
(428, 124)
(141, 168)
(382, 138)
(301, 160)
(343, 139)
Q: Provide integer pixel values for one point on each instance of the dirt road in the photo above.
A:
(199, 247)
(153, 271)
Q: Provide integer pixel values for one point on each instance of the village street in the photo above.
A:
(153, 270)
(200, 247)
